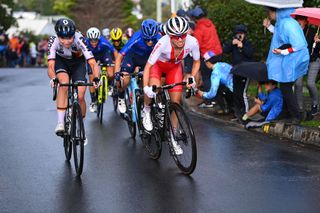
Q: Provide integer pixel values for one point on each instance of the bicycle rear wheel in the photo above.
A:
(131, 124)
(180, 126)
(67, 137)
(152, 140)
(78, 136)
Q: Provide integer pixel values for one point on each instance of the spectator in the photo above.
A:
(24, 52)
(33, 53)
(221, 85)
(3, 46)
(314, 67)
(12, 53)
(270, 104)
(209, 43)
(42, 50)
(241, 51)
(286, 66)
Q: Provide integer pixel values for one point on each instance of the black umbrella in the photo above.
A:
(252, 70)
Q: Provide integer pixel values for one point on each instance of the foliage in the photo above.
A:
(129, 19)
(6, 19)
(44, 7)
(63, 7)
(149, 10)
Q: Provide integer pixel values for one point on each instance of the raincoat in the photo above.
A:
(287, 68)
(221, 74)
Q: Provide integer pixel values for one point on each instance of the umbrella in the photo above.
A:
(278, 3)
(313, 15)
(253, 70)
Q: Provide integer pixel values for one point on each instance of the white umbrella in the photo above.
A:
(278, 3)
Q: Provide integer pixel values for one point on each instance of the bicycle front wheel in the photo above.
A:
(115, 96)
(181, 130)
(131, 124)
(78, 137)
(152, 140)
(67, 137)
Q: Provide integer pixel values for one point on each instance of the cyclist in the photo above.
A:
(67, 55)
(117, 39)
(135, 54)
(129, 33)
(167, 58)
(102, 50)
(106, 33)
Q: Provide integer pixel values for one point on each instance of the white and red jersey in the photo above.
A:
(77, 49)
(164, 51)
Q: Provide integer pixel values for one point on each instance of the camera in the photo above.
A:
(237, 36)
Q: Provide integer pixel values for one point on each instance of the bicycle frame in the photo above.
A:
(132, 88)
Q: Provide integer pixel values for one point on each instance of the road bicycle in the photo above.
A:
(133, 95)
(102, 91)
(170, 122)
(74, 134)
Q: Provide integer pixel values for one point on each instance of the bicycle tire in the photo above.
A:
(139, 105)
(78, 136)
(115, 97)
(130, 123)
(152, 140)
(67, 137)
(185, 137)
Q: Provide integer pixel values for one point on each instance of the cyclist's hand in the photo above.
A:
(191, 83)
(53, 81)
(148, 91)
(96, 82)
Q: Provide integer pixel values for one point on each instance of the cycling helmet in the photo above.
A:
(116, 34)
(149, 29)
(161, 29)
(93, 33)
(65, 27)
(176, 26)
(129, 32)
(106, 32)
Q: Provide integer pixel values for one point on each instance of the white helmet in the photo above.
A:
(106, 32)
(176, 26)
(93, 33)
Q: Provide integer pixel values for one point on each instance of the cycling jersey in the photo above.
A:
(164, 51)
(77, 49)
(121, 45)
(137, 45)
(103, 46)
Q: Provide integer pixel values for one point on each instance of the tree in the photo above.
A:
(6, 18)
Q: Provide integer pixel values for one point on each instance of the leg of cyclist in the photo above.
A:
(93, 104)
(110, 71)
(61, 102)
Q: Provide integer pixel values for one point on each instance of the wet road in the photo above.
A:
(237, 171)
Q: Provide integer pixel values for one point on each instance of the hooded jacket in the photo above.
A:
(207, 36)
(287, 68)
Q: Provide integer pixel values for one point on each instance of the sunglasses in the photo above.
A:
(66, 37)
(119, 40)
(94, 40)
(178, 37)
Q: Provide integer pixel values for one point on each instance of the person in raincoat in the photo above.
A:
(287, 65)
(221, 84)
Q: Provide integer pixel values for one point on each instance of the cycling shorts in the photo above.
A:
(173, 73)
(75, 68)
(131, 61)
(104, 58)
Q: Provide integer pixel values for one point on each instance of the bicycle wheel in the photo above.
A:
(180, 126)
(152, 140)
(67, 137)
(115, 97)
(78, 136)
(131, 124)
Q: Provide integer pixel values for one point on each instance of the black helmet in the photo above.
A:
(65, 27)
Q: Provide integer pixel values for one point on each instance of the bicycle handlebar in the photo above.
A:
(107, 65)
(75, 84)
(168, 86)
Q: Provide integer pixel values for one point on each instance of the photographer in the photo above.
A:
(241, 51)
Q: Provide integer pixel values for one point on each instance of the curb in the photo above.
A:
(296, 133)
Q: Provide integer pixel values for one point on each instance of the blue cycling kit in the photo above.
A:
(136, 52)
(220, 75)
(102, 51)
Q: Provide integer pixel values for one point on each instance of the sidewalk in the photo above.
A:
(296, 133)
